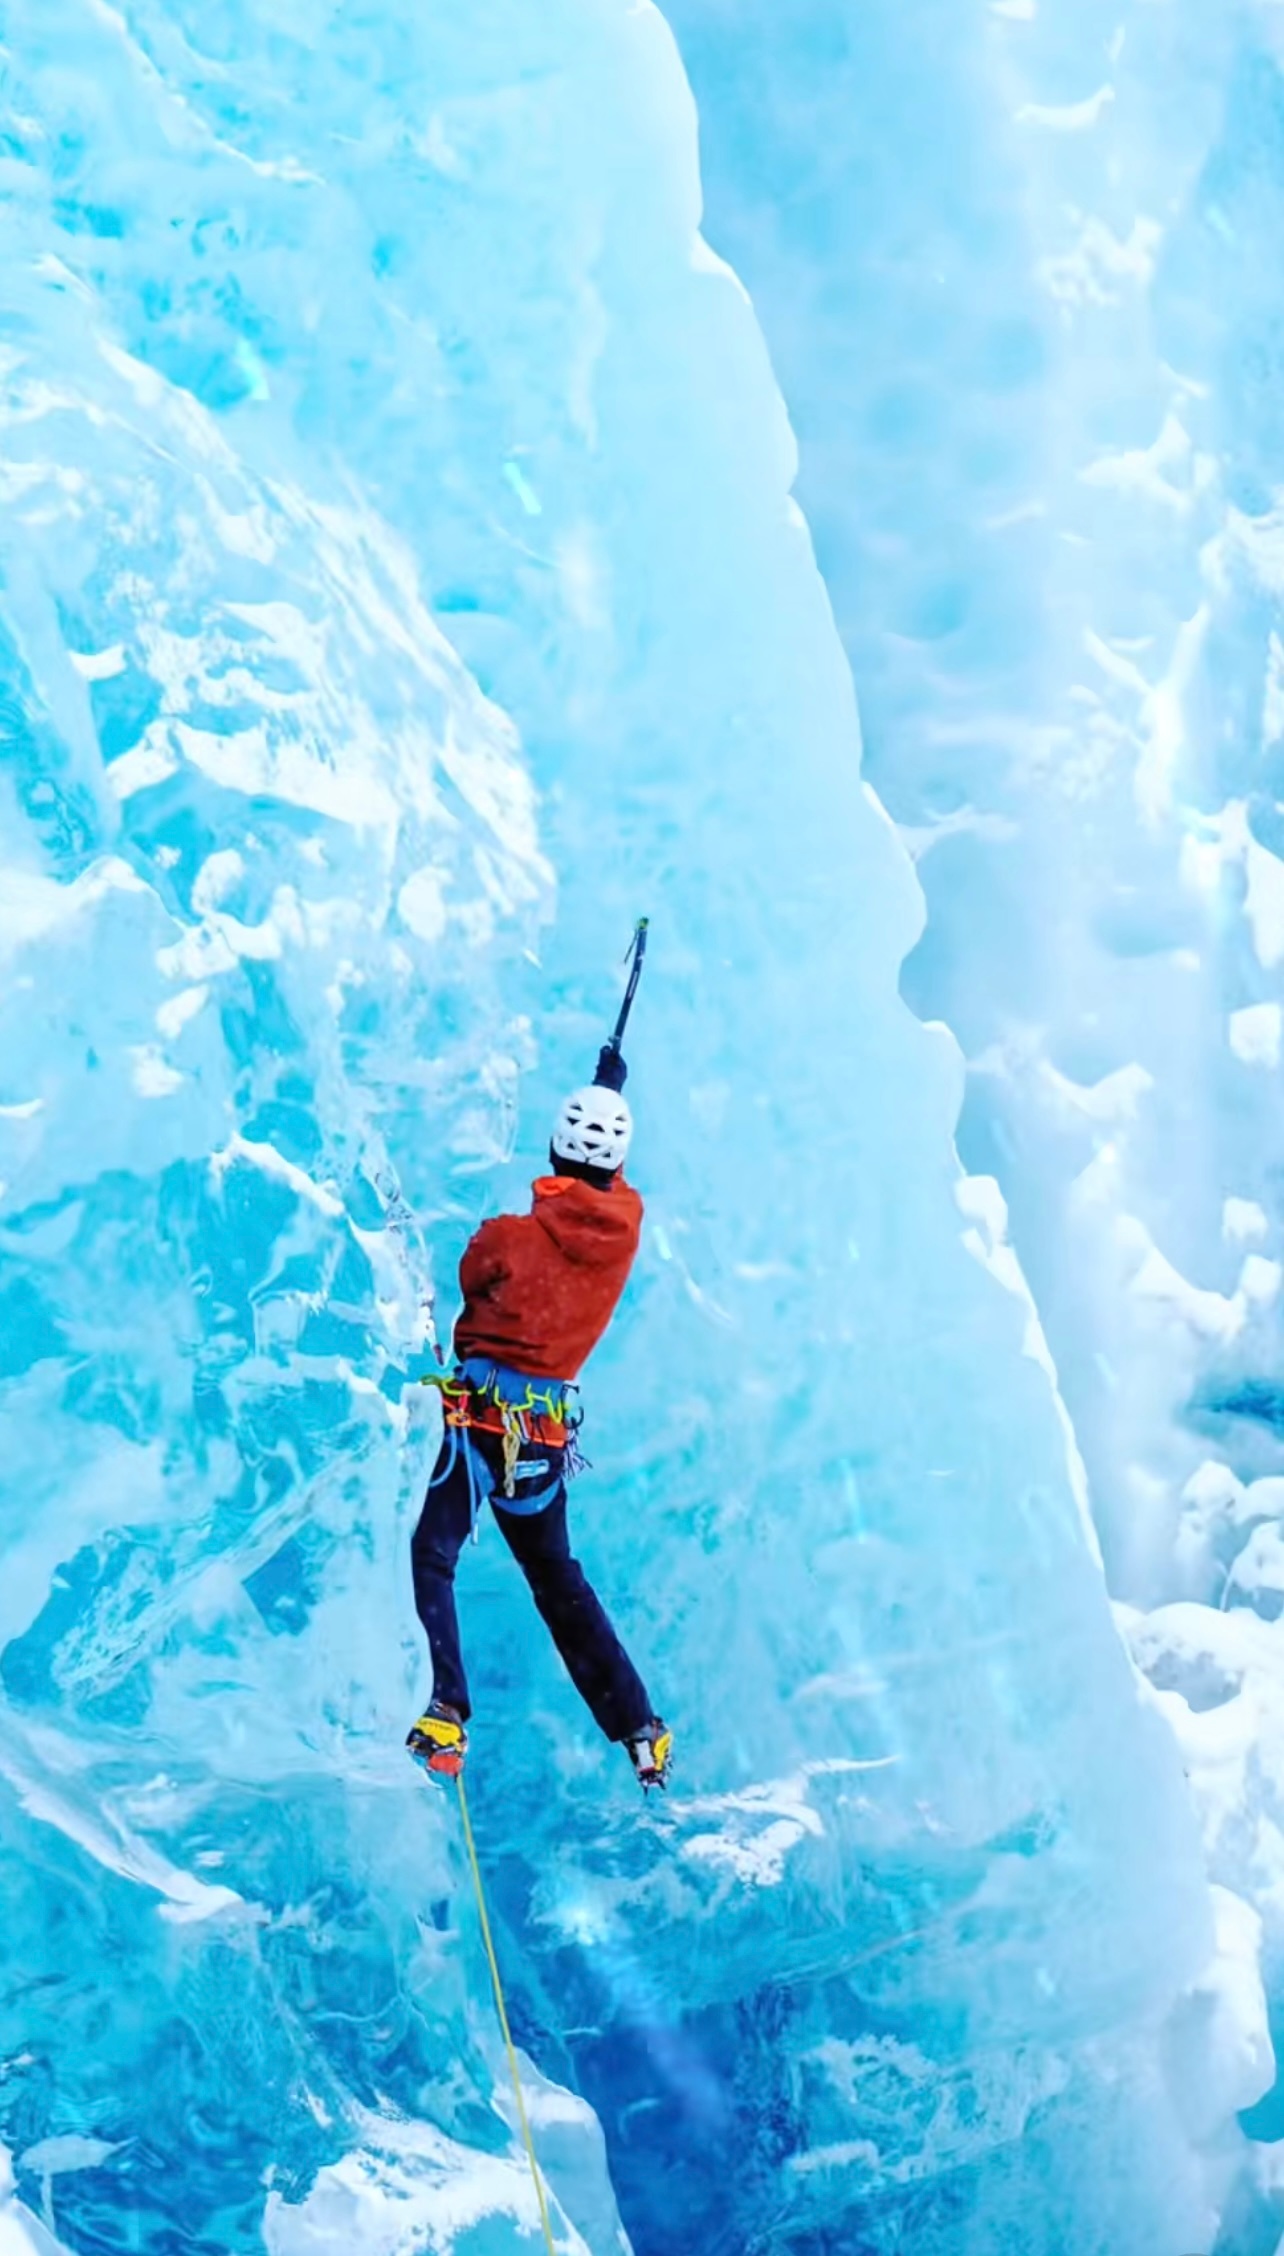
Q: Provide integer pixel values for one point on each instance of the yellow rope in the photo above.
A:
(503, 2019)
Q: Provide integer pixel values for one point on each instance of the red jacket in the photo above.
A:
(540, 1288)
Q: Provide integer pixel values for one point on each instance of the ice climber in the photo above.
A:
(539, 1290)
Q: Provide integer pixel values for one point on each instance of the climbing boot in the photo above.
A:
(439, 1740)
(651, 1754)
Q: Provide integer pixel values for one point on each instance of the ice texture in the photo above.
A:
(402, 588)
(1016, 268)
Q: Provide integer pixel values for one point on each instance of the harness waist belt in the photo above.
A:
(462, 1406)
(488, 1398)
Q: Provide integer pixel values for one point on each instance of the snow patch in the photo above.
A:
(1255, 1034)
(1242, 1221)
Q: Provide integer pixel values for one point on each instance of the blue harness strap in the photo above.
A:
(527, 1504)
(481, 1482)
(513, 1390)
(460, 1439)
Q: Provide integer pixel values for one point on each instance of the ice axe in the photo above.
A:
(611, 1069)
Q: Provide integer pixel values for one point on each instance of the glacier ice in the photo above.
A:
(1032, 372)
(400, 588)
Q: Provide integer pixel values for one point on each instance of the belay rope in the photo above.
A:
(513, 1416)
(502, 2010)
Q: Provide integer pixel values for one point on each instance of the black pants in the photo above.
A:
(598, 1665)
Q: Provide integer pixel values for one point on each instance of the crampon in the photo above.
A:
(651, 1754)
(439, 1740)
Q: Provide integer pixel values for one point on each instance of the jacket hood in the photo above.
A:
(587, 1225)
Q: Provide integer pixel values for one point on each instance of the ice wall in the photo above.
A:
(399, 539)
(1015, 265)
(22, 2234)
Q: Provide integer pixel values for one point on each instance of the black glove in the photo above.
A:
(612, 1072)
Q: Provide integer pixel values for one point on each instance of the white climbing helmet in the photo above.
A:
(594, 1128)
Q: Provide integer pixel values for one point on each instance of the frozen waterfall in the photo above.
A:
(401, 588)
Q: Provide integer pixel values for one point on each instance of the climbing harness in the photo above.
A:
(517, 1410)
(460, 1441)
(539, 1412)
(502, 2011)
(540, 1416)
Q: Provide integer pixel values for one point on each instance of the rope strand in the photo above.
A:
(509, 2047)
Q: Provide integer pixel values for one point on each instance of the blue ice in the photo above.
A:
(401, 588)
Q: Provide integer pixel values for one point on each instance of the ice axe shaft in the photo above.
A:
(637, 951)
